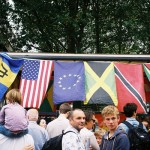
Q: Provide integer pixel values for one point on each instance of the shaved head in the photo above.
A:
(32, 114)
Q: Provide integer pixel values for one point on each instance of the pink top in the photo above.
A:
(13, 116)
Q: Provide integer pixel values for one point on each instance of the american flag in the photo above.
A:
(34, 81)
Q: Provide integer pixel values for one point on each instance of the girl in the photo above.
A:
(13, 120)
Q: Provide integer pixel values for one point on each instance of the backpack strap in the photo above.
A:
(129, 125)
(140, 125)
(67, 132)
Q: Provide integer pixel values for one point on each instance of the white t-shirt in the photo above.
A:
(15, 143)
(85, 133)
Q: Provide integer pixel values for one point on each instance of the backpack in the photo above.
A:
(138, 137)
(55, 143)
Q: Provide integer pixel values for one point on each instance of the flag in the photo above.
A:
(9, 69)
(147, 70)
(130, 86)
(35, 78)
(48, 104)
(146, 67)
(100, 83)
(68, 82)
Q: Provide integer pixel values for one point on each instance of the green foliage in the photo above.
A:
(73, 26)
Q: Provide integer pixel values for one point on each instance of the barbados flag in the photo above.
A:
(9, 69)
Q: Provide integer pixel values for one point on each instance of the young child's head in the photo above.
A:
(13, 95)
(111, 117)
(98, 134)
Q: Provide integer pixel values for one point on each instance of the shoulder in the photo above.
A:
(5, 106)
(86, 132)
(29, 138)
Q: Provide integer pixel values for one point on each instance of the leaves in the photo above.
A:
(75, 26)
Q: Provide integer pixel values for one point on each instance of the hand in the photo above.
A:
(90, 148)
(28, 147)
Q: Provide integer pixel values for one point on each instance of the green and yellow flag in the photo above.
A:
(147, 70)
(48, 105)
(100, 83)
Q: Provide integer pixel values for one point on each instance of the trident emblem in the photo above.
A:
(3, 72)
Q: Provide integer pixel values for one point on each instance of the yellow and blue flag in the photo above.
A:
(9, 69)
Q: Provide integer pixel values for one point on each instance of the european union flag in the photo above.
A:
(69, 82)
(9, 69)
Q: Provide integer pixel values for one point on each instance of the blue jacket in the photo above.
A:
(119, 141)
(132, 121)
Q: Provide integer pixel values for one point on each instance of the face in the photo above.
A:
(78, 119)
(91, 123)
(98, 139)
(111, 121)
(43, 123)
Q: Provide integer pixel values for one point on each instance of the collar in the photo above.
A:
(130, 119)
(33, 122)
(62, 116)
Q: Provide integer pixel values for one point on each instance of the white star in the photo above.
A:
(79, 77)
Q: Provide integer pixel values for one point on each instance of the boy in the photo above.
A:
(115, 138)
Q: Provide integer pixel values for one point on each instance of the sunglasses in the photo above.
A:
(93, 120)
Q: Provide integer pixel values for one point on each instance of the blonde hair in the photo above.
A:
(110, 110)
(14, 95)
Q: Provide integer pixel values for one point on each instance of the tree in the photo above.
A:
(74, 26)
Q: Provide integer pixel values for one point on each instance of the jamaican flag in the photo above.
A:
(100, 83)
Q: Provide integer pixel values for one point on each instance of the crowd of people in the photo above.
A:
(22, 130)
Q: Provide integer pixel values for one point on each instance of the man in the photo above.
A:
(39, 134)
(115, 138)
(72, 140)
(130, 113)
(21, 143)
(86, 132)
(56, 126)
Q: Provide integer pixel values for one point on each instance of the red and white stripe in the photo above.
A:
(33, 91)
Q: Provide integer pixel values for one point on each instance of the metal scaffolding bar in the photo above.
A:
(82, 57)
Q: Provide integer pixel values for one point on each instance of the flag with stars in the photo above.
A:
(34, 82)
(69, 82)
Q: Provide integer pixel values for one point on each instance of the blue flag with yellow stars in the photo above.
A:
(69, 82)
(9, 69)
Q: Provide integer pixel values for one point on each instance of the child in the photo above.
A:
(98, 134)
(115, 138)
(13, 120)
